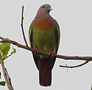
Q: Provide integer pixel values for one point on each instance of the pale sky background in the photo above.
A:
(75, 20)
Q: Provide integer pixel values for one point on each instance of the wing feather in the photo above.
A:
(31, 43)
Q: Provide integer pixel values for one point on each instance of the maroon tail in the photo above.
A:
(45, 72)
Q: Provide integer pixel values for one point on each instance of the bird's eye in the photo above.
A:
(43, 6)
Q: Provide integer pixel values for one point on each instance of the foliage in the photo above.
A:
(4, 50)
(0, 74)
(2, 83)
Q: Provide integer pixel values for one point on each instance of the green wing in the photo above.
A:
(31, 44)
(57, 35)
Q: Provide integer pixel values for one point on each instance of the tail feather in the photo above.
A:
(45, 72)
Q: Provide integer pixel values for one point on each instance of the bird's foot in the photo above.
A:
(35, 50)
(52, 54)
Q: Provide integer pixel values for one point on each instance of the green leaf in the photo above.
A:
(2, 83)
(4, 57)
(4, 48)
(14, 51)
(0, 75)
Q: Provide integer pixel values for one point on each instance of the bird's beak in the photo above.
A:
(50, 9)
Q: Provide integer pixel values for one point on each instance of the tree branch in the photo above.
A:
(6, 76)
(57, 56)
(76, 65)
(22, 26)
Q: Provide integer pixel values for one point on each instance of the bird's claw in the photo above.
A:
(52, 54)
(35, 50)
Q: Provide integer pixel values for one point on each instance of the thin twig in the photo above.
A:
(6, 76)
(75, 66)
(22, 26)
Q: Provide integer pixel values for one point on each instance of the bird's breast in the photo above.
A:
(44, 24)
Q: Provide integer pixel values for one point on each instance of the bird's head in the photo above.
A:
(45, 8)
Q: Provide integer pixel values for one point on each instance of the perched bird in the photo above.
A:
(44, 35)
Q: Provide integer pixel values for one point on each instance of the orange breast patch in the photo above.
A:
(44, 24)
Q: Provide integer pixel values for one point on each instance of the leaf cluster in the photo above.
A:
(4, 50)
